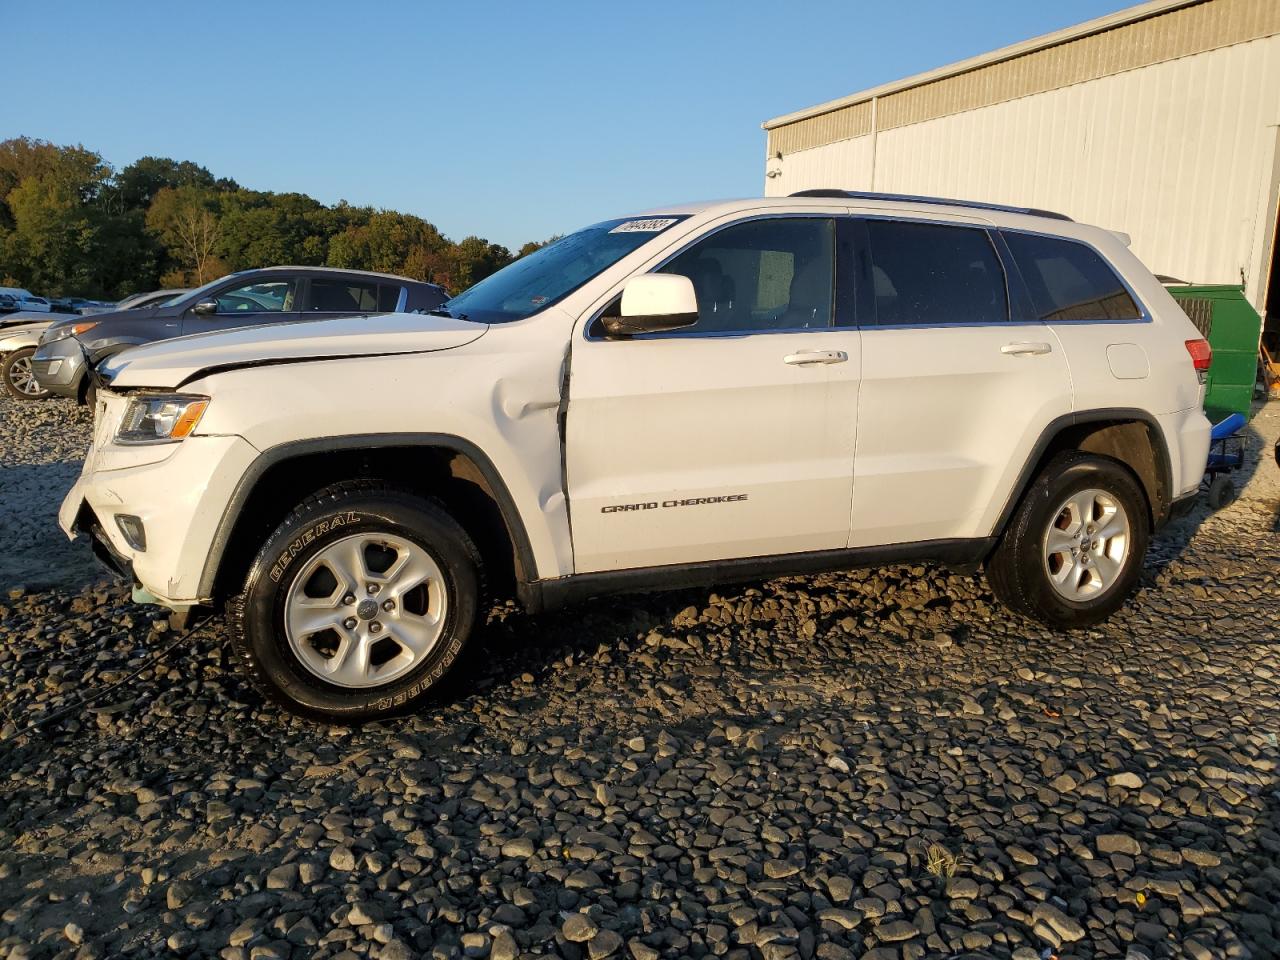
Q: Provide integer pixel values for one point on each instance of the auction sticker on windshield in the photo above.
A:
(644, 226)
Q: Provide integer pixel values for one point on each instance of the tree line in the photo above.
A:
(73, 225)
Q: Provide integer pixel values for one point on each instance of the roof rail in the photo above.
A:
(911, 198)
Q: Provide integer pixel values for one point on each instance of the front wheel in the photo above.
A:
(359, 604)
(18, 378)
(1073, 552)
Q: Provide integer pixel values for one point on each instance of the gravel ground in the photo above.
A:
(41, 448)
(878, 765)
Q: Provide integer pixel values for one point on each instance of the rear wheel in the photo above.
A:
(359, 604)
(1073, 552)
(18, 377)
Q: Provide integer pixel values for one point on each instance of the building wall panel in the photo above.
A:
(843, 124)
(845, 165)
(1180, 155)
(1182, 32)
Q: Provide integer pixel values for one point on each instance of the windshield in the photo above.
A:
(545, 276)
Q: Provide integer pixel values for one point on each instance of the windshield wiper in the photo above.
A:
(442, 312)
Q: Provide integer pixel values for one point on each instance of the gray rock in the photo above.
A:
(604, 944)
(895, 930)
(1118, 843)
(578, 928)
(504, 947)
(1067, 928)
(848, 919)
(284, 877)
(1126, 779)
(518, 848)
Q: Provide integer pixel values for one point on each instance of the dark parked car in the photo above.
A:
(152, 298)
(78, 305)
(70, 348)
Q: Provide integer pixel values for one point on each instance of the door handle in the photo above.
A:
(1024, 348)
(806, 357)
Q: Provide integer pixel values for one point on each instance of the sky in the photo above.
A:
(511, 121)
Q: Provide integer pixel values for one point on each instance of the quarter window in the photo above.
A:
(932, 274)
(771, 274)
(1069, 281)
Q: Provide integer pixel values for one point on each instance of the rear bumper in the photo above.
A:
(60, 367)
(1187, 435)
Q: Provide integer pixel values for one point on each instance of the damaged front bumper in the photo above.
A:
(151, 512)
(60, 367)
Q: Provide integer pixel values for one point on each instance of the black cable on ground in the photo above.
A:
(96, 695)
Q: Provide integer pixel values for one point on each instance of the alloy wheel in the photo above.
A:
(23, 378)
(366, 610)
(1086, 545)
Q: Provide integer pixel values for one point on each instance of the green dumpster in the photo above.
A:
(1232, 327)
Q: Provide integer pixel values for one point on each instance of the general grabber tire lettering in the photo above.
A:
(1073, 551)
(359, 605)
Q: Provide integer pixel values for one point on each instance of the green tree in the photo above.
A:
(70, 224)
(49, 214)
(269, 229)
(186, 221)
(534, 245)
(137, 184)
(474, 259)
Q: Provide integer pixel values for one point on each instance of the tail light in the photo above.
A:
(1201, 357)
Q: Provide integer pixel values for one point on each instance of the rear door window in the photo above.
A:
(931, 274)
(388, 297)
(333, 295)
(1068, 280)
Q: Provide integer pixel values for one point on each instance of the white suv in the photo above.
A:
(704, 393)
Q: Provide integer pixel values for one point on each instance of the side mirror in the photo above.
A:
(205, 307)
(654, 303)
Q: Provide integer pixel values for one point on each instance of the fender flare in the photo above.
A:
(297, 448)
(1160, 505)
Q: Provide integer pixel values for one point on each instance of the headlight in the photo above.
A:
(53, 335)
(160, 419)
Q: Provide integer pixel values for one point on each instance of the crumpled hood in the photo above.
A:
(170, 363)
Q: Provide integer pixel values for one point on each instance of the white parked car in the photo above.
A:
(26, 300)
(704, 393)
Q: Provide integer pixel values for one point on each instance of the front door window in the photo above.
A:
(269, 296)
(769, 274)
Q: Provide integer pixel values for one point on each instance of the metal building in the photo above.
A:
(1161, 121)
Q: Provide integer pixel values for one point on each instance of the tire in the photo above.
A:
(1222, 491)
(89, 396)
(368, 663)
(15, 373)
(1093, 582)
